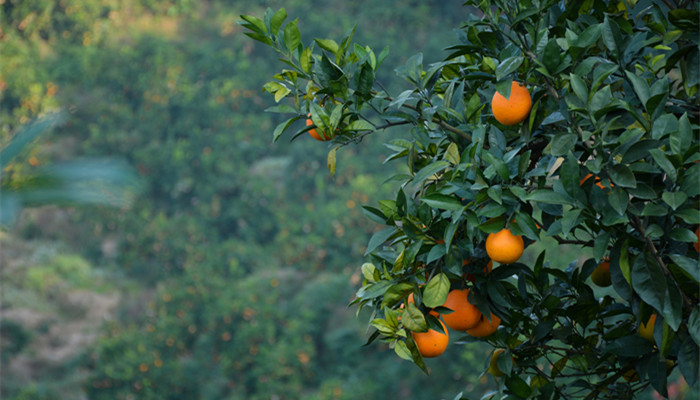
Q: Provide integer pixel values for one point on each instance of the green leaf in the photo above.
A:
(374, 290)
(508, 66)
(681, 139)
(579, 88)
(689, 359)
(629, 346)
(435, 292)
(562, 144)
(383, 326)
(306, 60)
(331, 161)
(673, 305)
(648, 281)
(328, 44)
(360, 125)
(674, 199)
(548, 197)
(500, 167)
(276, 21)
(694, 325)
(622, 176)
(589, 36)
(413, 319)
(292, 37)
(618, 200)
(402, 350)
(452, 154)
(518, 386)
(688, 265)
(368, 271)
(378, 238)
(640, 86)
(430, 170)
(683, 235)
(442, 202)
(689, 215)
(665, 164)
(279, 129)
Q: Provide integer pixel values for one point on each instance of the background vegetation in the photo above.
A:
(230, 274)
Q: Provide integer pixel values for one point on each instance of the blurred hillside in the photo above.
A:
(229, 276)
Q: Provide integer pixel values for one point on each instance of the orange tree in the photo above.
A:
(611, 91)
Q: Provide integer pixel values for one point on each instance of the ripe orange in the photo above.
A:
(504, 247)
(465, 315)
(513, 110)
(601, 274)
(646, 330)
(431, 343)
(697, 244)
(493, 365)
(596, 180)
(485, 327)
(323, 137)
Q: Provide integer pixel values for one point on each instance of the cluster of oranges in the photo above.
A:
(502, 247)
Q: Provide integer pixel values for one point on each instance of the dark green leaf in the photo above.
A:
(430, 170)
(681, 139)
(562, 144)
(689, 360)
(518, 386)
(674, 199)
(618, 200)
(694, 325)
(507, 67)
(621, 175)
(548, 197)
(689, 265)
(379, 238)
(641, 88)
(648, 281)
(442, 202)
(665, 164)
(673, 305)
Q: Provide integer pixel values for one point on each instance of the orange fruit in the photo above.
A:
(465, 315)
(323, 137)
(513, 110)
(504, 247)
(646, 330)
(601, 274)
(431, 343)
(485, 327)
(697, 244)
(596, 180)
(493, 365)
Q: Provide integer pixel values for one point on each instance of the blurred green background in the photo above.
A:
(229, 274)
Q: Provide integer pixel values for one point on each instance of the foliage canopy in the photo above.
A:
(614, 88)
